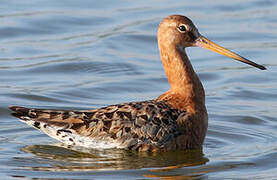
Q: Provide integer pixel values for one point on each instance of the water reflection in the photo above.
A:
(59, 157)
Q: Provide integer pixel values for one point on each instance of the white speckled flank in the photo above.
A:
(69, 138)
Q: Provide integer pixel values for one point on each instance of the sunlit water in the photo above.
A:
(88, 54)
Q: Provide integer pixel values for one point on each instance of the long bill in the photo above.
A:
(207, 44)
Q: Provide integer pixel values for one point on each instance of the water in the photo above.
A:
(83, 55)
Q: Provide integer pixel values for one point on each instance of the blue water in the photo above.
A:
(89, 54)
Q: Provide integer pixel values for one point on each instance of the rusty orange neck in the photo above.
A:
(186, 91)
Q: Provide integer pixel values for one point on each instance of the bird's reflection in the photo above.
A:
(61, 157)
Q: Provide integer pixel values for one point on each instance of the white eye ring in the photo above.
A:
(183, 28)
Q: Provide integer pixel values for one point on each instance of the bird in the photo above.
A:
(175, 120)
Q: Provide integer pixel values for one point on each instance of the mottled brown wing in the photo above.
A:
(131, 125)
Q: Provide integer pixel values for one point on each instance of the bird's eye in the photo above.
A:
(182, 28)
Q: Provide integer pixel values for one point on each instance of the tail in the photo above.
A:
(20, 112)
(92, 128)
(59, 124)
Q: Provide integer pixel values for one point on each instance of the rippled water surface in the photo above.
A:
(88, 54)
